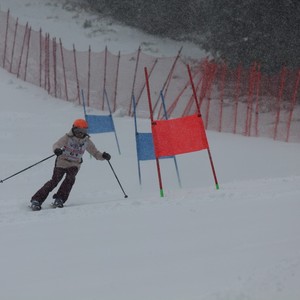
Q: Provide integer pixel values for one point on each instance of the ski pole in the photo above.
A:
(125, 196)
(1, 181)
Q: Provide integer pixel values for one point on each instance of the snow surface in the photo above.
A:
(240, 242)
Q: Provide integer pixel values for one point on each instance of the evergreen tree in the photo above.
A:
(244, 31)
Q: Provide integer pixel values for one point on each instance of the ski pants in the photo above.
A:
(64, 189)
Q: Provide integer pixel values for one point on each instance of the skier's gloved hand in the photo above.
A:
(58, 151)
(106, 156)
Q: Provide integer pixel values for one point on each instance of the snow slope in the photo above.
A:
(239, 242)
(68, 25)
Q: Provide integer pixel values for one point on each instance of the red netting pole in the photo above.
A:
(27, 54)
(236, 97)
(153, 123)
(64, 69)
(5, 42)
(89, 76)
(54, 48)
(169, 78)
(293, 102)
(13, 47)
(48, 63)
(41, 55)
(76, 74)
(134, 79)
(175, 102)
(250, 107)
(223, 77)
(45, 62)
(141, 92)
(258, 82)
(190, 101)
(104, 81)
(250, 100)
(167, 82)
(22, 50)
(203, 90)
(189, 105)
(194, 90)
(279, 97)
(116, 83)
(211, 76)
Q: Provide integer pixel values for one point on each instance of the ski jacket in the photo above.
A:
(73, 150)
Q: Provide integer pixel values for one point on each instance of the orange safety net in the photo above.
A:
(178, 136)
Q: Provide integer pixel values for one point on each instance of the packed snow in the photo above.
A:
(196, 243)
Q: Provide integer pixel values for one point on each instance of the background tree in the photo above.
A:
(238, 31)
(244, 31)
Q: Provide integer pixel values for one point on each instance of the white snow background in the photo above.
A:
(240, 242)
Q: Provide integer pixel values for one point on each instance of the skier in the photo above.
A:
(69, 150)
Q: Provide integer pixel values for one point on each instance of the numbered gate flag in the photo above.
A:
(178, 136)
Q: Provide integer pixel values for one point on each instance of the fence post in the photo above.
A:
(258, 81)
(22, 49)
(13, 47)
(64, 69)
(293, 102)
(104, 80)
(76, 74)
(223, 76)
(5, 42)
(134, 79)
(27, 54)
(41, 57)
(89, 76)
(116, 83)
(279, 97)
(236, 96)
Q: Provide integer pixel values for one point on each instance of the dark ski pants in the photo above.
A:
(64, 189)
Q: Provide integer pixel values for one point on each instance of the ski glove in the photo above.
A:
(58, 152)
(106, 156)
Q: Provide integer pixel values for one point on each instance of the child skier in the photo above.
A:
(69, 150)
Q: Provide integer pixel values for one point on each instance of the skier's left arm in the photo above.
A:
(91, 148)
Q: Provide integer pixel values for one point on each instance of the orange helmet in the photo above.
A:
(80, 123)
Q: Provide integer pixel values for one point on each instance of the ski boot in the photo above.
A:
(58, 203)
(35, 205)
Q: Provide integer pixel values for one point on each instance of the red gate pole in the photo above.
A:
(199, 114)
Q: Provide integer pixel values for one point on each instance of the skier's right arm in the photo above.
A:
(60, 145)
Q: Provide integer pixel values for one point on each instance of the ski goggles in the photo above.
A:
(80, 132)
